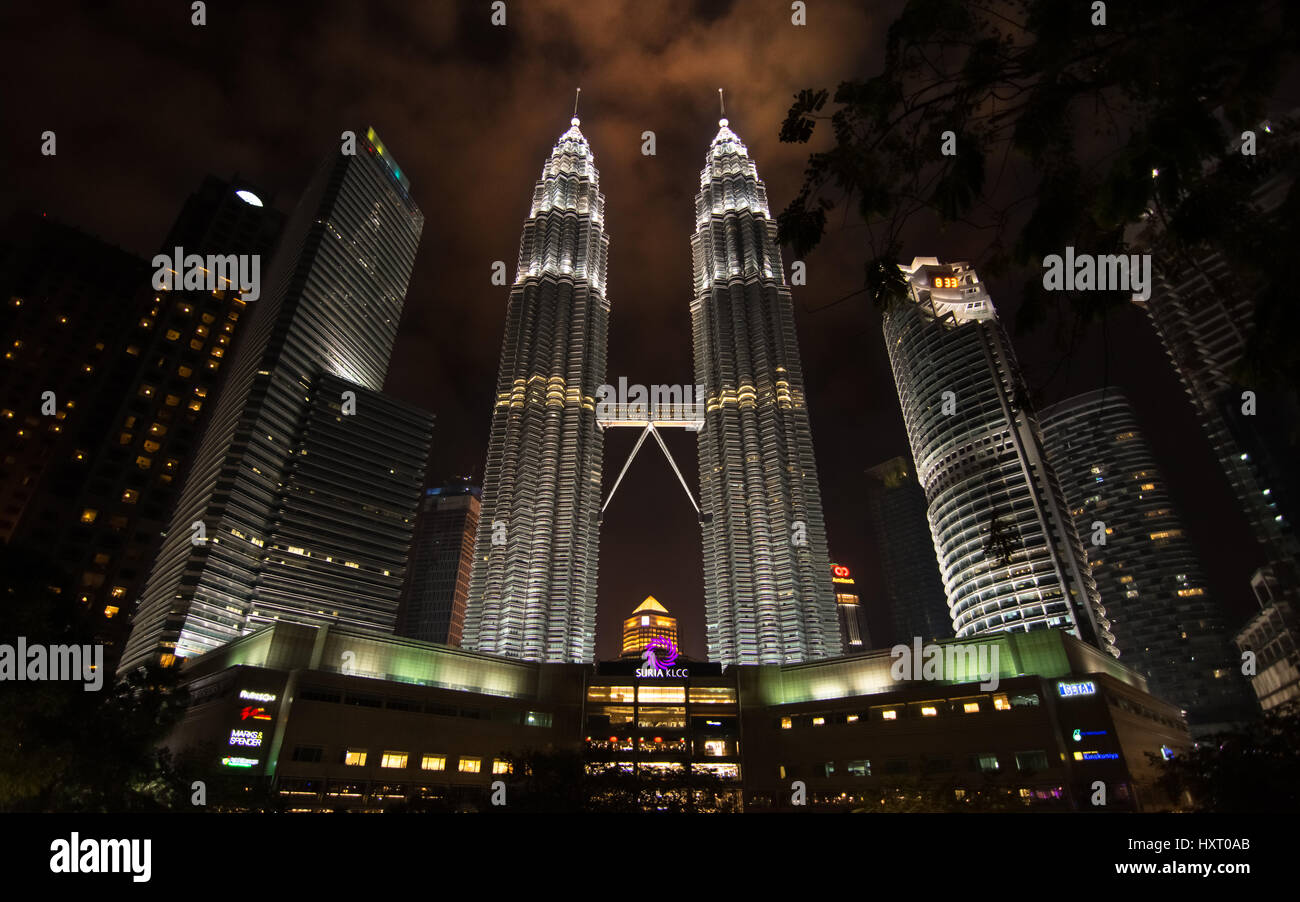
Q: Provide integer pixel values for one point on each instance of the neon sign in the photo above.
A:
(257, 696)
(1072, 690)
(239, 762)
(660, 655)
(251, 738)
(1079, 734)
(254, 712)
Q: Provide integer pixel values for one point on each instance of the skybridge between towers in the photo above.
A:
(660, 407)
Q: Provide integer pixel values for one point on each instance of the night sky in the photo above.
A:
(144, 105)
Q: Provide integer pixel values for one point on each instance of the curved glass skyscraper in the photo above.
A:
(1165, 620)
(1008, 551)
(533, 586)
(767, 573)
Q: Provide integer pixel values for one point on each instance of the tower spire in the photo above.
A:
(722, 109)
(576, 96)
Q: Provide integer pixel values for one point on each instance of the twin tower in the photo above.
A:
(767, 577)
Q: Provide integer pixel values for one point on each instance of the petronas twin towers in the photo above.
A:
(768, 595)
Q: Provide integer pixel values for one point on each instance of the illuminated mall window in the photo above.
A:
(929, 711)
(852, 718)
(1183, 593)
(971, 707)
(787, 723)
(89, 515)
(393, 759)
(470, 765)
(110, 611)
(500, 766)
(167, 660)
(354, 757)
(662, 695)
(819, 721)
(1031, 762)
(889, 715)
(712, 695)
(433, 762)
(859, 768)
(986, 763)
(715, 748)
(1001, 702)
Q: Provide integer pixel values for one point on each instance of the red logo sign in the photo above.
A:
(254, 713)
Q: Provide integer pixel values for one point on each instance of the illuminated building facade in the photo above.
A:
(1166, 623)
(442, 555)
(853, 626)
(767, 588)
(417, 725)
(1204, 313)
(1008, 552)
(155, 384)
(649, 621)
(914, 592)
(333, 305)
(533, 586)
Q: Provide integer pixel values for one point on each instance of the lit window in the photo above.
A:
(196, 405)
(393, 759)
(172, 335)
(101, 558)
(470, 765)
(124, 438)
(110, 611)
(433, 762)
(787, 723)
(143, 462)
(130, 496)
(1001, 703)
(151, 446)
(852, 718)
(500, 766)
(133, 350)
(819, 721)
(1148, 486)
(146, 391)
(929, 711)
(196, 344)
(354, 758)
(184, 371)
(971, 707)
(1184, 593)
(89, 515)
(171, 400)
(889, 715)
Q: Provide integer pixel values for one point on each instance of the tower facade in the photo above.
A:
(533, 585)
(918, 605)
(1008, 552)
(648, 622)
(1164, 618)
(335, 299)
(442, 557)
(767, 572)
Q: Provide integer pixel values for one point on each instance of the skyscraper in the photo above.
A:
(648, 622)
(853, 626)
(336, 298)
(1204, 312)
(337, 548)
(1008, 551)
(533, 586)
(767, 579)
(1158, 602)
(918, 605)
(442, 556)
